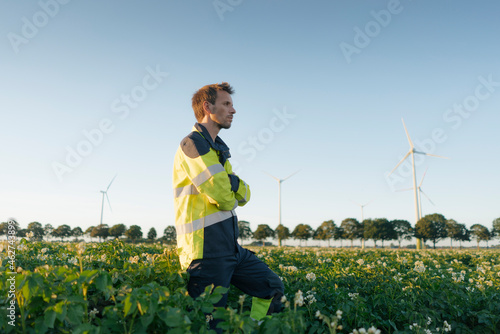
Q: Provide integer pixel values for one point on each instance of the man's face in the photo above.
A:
(222, 111)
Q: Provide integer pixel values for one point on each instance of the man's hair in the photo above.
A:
(207, 93)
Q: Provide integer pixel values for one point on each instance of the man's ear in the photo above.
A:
(206, 108)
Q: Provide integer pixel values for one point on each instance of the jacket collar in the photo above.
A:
(218, 145)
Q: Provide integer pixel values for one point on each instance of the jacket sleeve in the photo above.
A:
(204, 170)
(240, 188)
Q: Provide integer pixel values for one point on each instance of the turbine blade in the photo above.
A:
(109, 203)
(437, 156)
(426, 197)
(274, 177)
(289, 176)
(367, 203)
(421, 181)
(406, 156)
(431, 155)
(111, 182)
(407, 134)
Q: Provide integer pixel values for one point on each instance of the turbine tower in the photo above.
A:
(413, 151)
(362, 219)
(420, 191)
(105, 193)
(279, 196)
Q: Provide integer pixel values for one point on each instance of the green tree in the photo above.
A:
(117, 230)
(170, 235)
(76, 232)
(63, 231)
(431, 227)
(282, 232)
(263, 232)
(302, 232)
(244, 231)
(403, 230)
(453, 230)
(480, 233)
(4, 228)
(325, 231)
(152, 234)
(370, 231)
(100, 231)
(496, 228)
(47, 230)
(37, 230)
(338, 234)
(352, 229)
(134, 232)
(88, 231)
(385, 230)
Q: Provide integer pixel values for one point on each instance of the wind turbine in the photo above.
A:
(362, 219)
(279, 195)
(105, 193)
(413, 151)
(420, 191)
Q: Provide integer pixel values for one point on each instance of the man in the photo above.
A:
(206, 192)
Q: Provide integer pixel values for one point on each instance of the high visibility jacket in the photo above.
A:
(206, 192)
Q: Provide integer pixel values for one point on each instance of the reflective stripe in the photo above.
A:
(207, 173)
(246, 192)
(206, 221)
(235, 204)
(184, 191)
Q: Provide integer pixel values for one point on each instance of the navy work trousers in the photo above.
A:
(244, 270)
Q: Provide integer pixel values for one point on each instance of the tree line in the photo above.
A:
(433, 228)
(35, 231)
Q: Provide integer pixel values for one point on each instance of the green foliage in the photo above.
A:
(263, 232)
(115, 287)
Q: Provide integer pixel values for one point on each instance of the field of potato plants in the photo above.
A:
(115, 287)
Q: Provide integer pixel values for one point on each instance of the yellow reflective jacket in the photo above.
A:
(206, 192)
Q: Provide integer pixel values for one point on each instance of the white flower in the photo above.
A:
(93, 312)
(311, 277)
(353, 295)
(360, 262)
(44, 250)
(299, 299)
(310, 297)
(73, 260)
(242, 299)
(373, 330)
(339, 314)
(446, 326)
(283, 299)
(419, 267)
(134, 259)
(103, 258)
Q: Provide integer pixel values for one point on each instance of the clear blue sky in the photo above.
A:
(321, 87)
